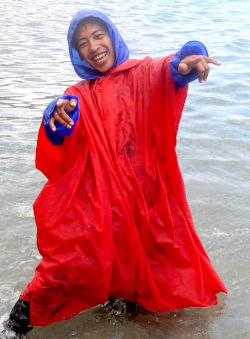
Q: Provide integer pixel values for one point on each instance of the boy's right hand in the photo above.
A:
(60, 115)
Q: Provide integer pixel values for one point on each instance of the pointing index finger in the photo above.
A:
(212, 61)
(60, 102)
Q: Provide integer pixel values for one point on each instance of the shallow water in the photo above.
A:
(213, 149)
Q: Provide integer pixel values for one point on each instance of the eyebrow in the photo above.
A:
(98, 30)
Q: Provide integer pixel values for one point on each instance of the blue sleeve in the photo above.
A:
(190, 48)
(61, 131)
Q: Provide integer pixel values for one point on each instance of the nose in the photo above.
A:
(93, 45)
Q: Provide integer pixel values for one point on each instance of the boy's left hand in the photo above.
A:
(200, 62)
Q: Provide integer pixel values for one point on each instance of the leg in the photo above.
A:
(19, 319)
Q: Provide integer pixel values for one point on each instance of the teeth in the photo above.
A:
(99, 57)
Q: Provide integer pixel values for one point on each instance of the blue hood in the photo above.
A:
(82, 68)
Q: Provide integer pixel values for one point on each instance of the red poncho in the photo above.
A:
(113, 219)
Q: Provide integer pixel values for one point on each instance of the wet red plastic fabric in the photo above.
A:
(113, 219)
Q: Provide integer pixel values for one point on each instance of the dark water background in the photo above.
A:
(213, 149)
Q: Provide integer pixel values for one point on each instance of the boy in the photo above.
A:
(113, 219)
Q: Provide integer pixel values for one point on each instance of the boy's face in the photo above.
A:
(95, 46)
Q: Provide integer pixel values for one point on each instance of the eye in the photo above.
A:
(99, 36)
(82, 44)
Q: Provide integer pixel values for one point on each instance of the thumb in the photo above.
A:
(73, 102)
(183, 68)
(186, 64)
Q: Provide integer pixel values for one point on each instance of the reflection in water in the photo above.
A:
(119, 320)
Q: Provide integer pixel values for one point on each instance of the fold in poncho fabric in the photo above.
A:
(113, 219)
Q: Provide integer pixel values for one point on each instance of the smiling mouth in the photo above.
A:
(100, 57)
